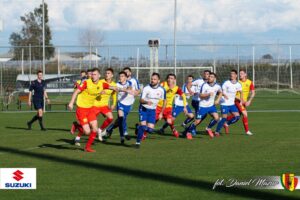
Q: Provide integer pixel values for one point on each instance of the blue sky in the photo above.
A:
(135, 21)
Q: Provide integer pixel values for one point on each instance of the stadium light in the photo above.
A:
(153, 44)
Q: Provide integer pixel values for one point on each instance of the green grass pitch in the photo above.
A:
(164, 167)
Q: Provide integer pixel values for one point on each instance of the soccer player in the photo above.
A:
(101, 104)
(123, 107)
(87, 93)
(230, 89)
(178, 105)
(39, 88)
(171, 90)
(130, 98)
(150, 97)
(135, 85)
(194, 89)
(207, 103)
(83, 77)
(247, 87)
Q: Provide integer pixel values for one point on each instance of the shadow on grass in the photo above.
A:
(48, 129)
(159, 177)
(106, 142)
(58, 146)
(17, 128)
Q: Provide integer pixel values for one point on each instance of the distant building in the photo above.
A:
(77, 56)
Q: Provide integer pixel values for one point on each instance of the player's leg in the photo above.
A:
(234, 110)
(231, 116)
(121, 124)
(93, 133)
(126, 111)
(40, 118)
(245, 121)
(189, 117)
(176, 110)
(224, 112)
(34, 118)
(109, 119)
(214, 121)
(147, 117)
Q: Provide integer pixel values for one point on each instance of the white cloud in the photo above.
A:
(215, 16)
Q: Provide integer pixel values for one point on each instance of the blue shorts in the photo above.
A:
(179, 109)
(147, 115)
(229, 109)
(203, 111)
(38, 104)
(126, 109)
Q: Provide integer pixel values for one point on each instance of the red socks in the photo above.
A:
(91, 140)
(245, 122)
(172, 126)
(107, 122)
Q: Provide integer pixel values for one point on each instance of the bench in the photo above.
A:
(56, 103)
(22, 99)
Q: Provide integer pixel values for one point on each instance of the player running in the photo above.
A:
(171, 90)
(87, 92)
(39, 88)
(194, 89)
(230, 89)
(124, 106)
(178, 105)
(150, 97)
(247, 87)
(101, 104)
(83, 77)
(207, 104)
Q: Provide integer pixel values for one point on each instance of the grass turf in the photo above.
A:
(164, 167)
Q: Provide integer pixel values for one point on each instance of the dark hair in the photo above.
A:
(40, 71)
(206, 71)
(109, 69)
(171, 75)
(212, 73)
(89, 70)
(127, 68)
(96, 69)
(243, 70)
(83, 71)
(190, 76)
(122, 72)
(156, 74)
(233, 70)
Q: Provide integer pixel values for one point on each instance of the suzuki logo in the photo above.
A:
(18, 175)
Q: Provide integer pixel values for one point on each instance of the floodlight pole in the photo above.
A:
(44, 72)
(175, 29)
(43, 37)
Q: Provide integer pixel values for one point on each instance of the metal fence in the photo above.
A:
(270, 66)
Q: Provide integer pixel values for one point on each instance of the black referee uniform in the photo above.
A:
(38, 89)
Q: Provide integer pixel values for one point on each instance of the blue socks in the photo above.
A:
(212, 123)
(233, 120)
(141, 130)
(220, 124)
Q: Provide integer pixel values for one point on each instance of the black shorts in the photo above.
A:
(38, 104)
